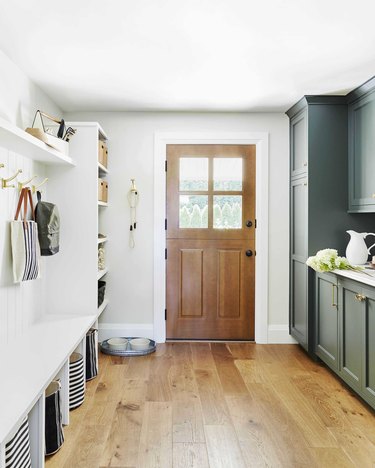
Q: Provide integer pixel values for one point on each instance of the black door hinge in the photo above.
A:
(166, 165)
(255, 224)
(165, 224)
(165, 310)
(166, 254)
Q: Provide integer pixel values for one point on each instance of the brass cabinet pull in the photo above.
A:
(360, 297)
(334, 304)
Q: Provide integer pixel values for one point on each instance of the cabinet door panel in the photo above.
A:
(361, 154)
(369, 347)
(298, 207)
(327, 319)
(298, 140)
(351, 335)
(298, 312)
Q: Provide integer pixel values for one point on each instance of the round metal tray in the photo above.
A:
(104, 348)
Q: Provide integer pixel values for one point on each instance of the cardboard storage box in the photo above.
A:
(102, 153)
(102, 190)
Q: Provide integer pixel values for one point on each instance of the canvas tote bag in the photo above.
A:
(24, 239)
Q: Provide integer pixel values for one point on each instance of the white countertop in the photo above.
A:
(366, 278)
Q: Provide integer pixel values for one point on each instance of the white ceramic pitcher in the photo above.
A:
(357, 250)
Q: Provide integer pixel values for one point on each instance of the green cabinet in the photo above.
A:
(361, 108)
(368, 380)
(352, 304)
(327, 319)
(345, 331)
(318, 150)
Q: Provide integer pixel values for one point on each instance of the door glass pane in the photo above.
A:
(227, 212)
(193, 211)
(228, 174)
(193, 174)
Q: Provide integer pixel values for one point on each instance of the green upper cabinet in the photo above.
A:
(298, 143)
(361, 110)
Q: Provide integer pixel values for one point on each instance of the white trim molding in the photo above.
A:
(260, 139)
(110, 330)
(279, 334)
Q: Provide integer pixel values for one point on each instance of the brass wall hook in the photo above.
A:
(34, 188)
(4, 182)
(21, 185)
(133, 188)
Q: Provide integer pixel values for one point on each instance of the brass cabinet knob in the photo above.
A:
(360, 297)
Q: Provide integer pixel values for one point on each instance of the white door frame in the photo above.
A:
(260, 139)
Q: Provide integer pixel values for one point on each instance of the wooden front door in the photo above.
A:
(210, 242)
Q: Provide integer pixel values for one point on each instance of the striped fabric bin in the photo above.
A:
(17, 450)
(76, 380)
(54, 435)
(91, 354)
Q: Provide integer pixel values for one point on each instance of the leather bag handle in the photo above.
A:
(18, 210)
(25, 197)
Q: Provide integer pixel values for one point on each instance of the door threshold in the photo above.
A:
(183, 340)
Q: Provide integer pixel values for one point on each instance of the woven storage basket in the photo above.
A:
(17, 450)
(54, 435)
(76, 380)
(101, 292)
(91, 354)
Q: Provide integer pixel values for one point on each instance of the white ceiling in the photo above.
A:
(190, 55)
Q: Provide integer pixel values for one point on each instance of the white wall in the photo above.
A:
(20, 305)
(130, 282)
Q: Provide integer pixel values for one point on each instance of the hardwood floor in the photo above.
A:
(201, 405)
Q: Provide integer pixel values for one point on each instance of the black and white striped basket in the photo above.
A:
(17, 450)
(91, 354)
(76, 380)
(54, 434)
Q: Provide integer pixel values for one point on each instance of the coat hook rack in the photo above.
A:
(34, 188)
(21, 185)
(4, 182)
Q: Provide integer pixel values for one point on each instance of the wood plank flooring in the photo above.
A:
(217, 405)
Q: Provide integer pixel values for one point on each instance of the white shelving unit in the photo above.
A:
(29, 363)
(101, 273)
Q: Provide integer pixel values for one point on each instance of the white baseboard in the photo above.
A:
(110, 330)
(279, 334)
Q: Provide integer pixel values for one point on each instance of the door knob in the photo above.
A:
(249, 223)
(249, 253)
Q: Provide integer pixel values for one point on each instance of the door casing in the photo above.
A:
(260, 139)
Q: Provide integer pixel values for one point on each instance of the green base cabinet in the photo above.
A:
(327, 320)
(351, 332)
(345, 331)
(368, 386)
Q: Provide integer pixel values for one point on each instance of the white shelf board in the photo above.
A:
(102, 203)
(28, 364)
(102, 168)
(102, 307)
(20, 142)
(102, 135)
(101, 273)
(101, 240)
